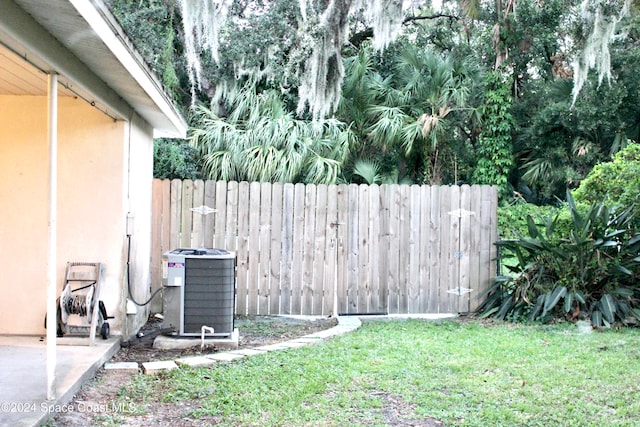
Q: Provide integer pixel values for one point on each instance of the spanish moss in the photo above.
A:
(321, 79)
(322, 32)
(202, 21)
(386, 18)
(600, 21)
(323, 71)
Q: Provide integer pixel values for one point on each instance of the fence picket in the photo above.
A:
(342, 198)
(455, 217)
(209, 220)
(363, 282)
(254, 247)
(488, 230)
(220, 215)
(404, 231)
(186, 215)
(156, 242)
(352, 249)
(319, 280)
(375, 302)
(384, 252)
(298, 249)
(231, 227)
(165, 238)
(423, 273)
(474, 247)
(176, 203)
(464, 260)
(331, 253)
(263, 248)
(197, 219)
(242, 253)
(287, 240)
(275, 249)
(308, 238)
(393, 279)
(413, 276)
(444, 252)
(434, 250)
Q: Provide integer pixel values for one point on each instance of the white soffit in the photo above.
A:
(81, 40)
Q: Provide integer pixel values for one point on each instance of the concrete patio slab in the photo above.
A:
(23, 395)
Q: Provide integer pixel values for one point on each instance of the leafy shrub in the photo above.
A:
(174, 159)
(592, 268)
(512, 219)
(616, 183)
(513, 223)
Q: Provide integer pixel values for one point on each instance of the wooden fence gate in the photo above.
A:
(373, 249)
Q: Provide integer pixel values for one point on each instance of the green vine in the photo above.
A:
(495, 151)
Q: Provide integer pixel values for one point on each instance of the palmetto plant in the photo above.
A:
(407, 106)
(590, 271)
(368, 170)
(260, 140)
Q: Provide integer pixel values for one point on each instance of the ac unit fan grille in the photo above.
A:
(209, 295)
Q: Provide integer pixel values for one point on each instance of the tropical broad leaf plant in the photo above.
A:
(591, 271)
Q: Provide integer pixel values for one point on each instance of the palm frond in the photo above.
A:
(387, 124)
(321, 170)
(368, 170)
(261, 141)
(538, 170)
(412, 136)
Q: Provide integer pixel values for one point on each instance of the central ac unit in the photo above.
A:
(199, 290)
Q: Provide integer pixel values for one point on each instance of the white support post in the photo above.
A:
(52, 231)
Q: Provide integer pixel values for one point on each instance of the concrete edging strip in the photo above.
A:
(345, 324)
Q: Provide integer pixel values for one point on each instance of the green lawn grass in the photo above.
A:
(467, 374)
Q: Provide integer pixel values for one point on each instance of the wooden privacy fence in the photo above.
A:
(375, 249)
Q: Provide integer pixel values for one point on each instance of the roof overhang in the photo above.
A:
(82, 42)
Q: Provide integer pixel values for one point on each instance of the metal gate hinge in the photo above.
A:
(459, 291)
(459, 213)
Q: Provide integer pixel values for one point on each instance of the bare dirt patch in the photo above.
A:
(255, 331)
(396, 410)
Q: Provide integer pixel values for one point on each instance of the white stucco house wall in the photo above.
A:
(79, 109)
